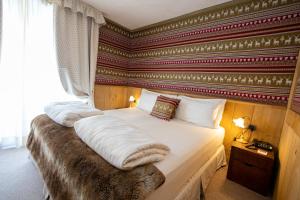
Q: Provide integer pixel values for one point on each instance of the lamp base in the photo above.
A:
(242, 141)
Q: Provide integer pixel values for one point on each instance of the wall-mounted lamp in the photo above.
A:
(131, 101)
(247, 129)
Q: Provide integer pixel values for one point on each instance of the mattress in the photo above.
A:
(190, 146)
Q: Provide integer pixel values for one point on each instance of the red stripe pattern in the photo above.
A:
(244, 50)
(296, 98)
(165, 107)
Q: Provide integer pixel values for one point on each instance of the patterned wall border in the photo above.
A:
(291, 39)
(296, 98)
(245, 50)
(223, 11)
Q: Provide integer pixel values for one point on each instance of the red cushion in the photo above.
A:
(165, 107)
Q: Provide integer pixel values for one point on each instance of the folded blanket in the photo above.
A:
(66, 113)
(119, 143)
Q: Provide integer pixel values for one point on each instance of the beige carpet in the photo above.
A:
(221, 188)
(19, 180)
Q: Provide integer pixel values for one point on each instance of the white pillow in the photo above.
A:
(202, 112)
(148, 99)
(221, 106)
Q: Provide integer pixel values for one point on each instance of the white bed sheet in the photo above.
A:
(190, 146)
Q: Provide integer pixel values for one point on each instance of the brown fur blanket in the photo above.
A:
(71, 170)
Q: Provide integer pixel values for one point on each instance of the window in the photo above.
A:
(28, 71)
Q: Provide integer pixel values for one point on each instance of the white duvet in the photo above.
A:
(67, 113)
(121, 144)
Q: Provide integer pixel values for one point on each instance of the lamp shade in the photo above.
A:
(239, 122)
(131, 99)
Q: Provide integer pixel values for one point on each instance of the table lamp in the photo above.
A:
(247, 129)
(131, 101)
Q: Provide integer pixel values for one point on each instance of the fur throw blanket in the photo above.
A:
(71, 170)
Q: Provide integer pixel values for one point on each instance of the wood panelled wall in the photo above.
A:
(268, 118)
(111, 97)
(288, 182)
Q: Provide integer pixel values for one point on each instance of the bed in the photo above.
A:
(191, 148)
(196, 153)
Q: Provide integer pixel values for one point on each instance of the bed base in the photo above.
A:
(196, 186)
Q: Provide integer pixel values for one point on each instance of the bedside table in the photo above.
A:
(251, 169)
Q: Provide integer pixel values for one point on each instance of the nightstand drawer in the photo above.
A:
(251, 159)
(250, 176)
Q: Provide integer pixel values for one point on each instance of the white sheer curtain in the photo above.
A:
(77, 31)
(0, 25)
(28, 70)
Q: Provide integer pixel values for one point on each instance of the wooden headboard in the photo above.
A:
(268, 118)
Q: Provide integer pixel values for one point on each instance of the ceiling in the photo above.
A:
(135, 14)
